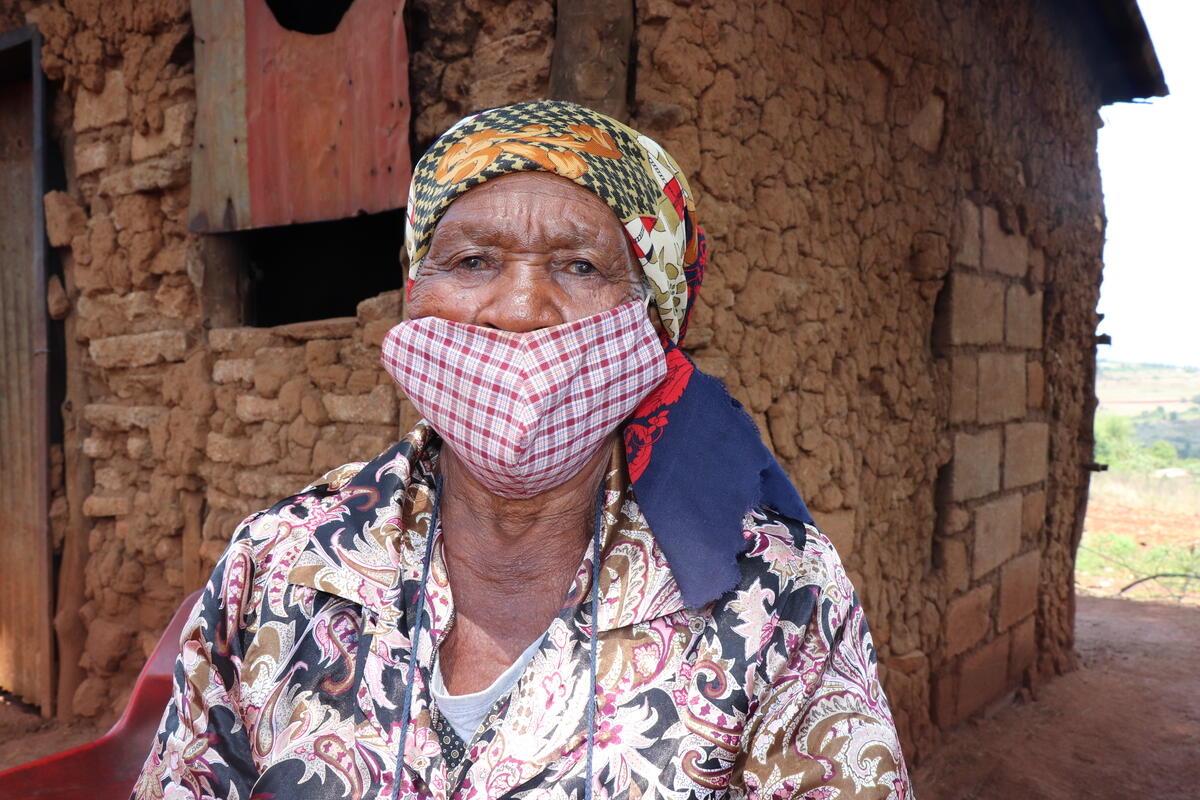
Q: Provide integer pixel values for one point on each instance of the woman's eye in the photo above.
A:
(581, 267)
(471, 263)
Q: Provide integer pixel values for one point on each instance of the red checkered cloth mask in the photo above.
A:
(526, 411)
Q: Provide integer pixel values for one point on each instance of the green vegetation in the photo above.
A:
(1165, 571)
(1141, 538)
(1180, 429)
(1150, 441)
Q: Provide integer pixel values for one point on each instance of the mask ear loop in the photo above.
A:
(594, 643)
(653, 312)
(593, 658)
(414, 637)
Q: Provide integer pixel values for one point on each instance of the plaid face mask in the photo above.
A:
(526, 411)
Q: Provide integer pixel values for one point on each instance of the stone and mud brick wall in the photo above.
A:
(906, 225)
(905, 220)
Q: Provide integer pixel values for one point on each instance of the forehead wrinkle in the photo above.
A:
(561, 232)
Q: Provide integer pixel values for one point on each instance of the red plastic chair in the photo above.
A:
(107, 768)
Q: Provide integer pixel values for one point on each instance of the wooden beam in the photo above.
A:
(194, 576)
(78, 480)
(41, 321)
(220, 188)
(593, 55)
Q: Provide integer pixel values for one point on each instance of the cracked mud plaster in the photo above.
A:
(831, 147)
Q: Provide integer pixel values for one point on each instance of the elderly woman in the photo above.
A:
(581, 575)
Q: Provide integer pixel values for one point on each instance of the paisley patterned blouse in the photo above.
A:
(294, 664)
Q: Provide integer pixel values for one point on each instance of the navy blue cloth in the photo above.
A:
(698, 464)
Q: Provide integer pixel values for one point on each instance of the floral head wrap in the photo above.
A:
(630, 172)
(696, 461)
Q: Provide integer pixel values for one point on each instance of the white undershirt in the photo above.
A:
(465, 712)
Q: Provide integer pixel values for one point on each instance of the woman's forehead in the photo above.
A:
(524, 185)
(555, 206)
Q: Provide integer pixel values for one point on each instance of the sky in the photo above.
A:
(1150, 168)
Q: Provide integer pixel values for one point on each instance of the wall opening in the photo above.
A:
(314, 17)
(317, 270)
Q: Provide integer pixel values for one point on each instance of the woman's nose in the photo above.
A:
(523, 298)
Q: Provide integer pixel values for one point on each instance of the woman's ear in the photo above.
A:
(652, 312)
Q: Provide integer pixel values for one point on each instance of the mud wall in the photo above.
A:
(905, 222)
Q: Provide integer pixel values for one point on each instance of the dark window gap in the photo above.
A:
(314, 17)
(316, 270)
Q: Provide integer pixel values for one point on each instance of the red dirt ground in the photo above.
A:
(1125, 725)
(1151, 527)
(1147, 526)
(24, 736)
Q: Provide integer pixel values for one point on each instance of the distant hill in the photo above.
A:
(1129, 366)
(1130, 389)
(1162, 402)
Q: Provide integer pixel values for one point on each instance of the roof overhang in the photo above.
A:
(1122, 53)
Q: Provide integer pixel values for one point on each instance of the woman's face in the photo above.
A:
(523, 252)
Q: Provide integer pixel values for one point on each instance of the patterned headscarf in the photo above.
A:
(696, 461)
(630, 172)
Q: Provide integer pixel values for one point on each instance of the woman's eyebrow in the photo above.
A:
(576, 238)
(472, 230)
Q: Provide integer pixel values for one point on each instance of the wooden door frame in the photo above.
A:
(30, 37)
